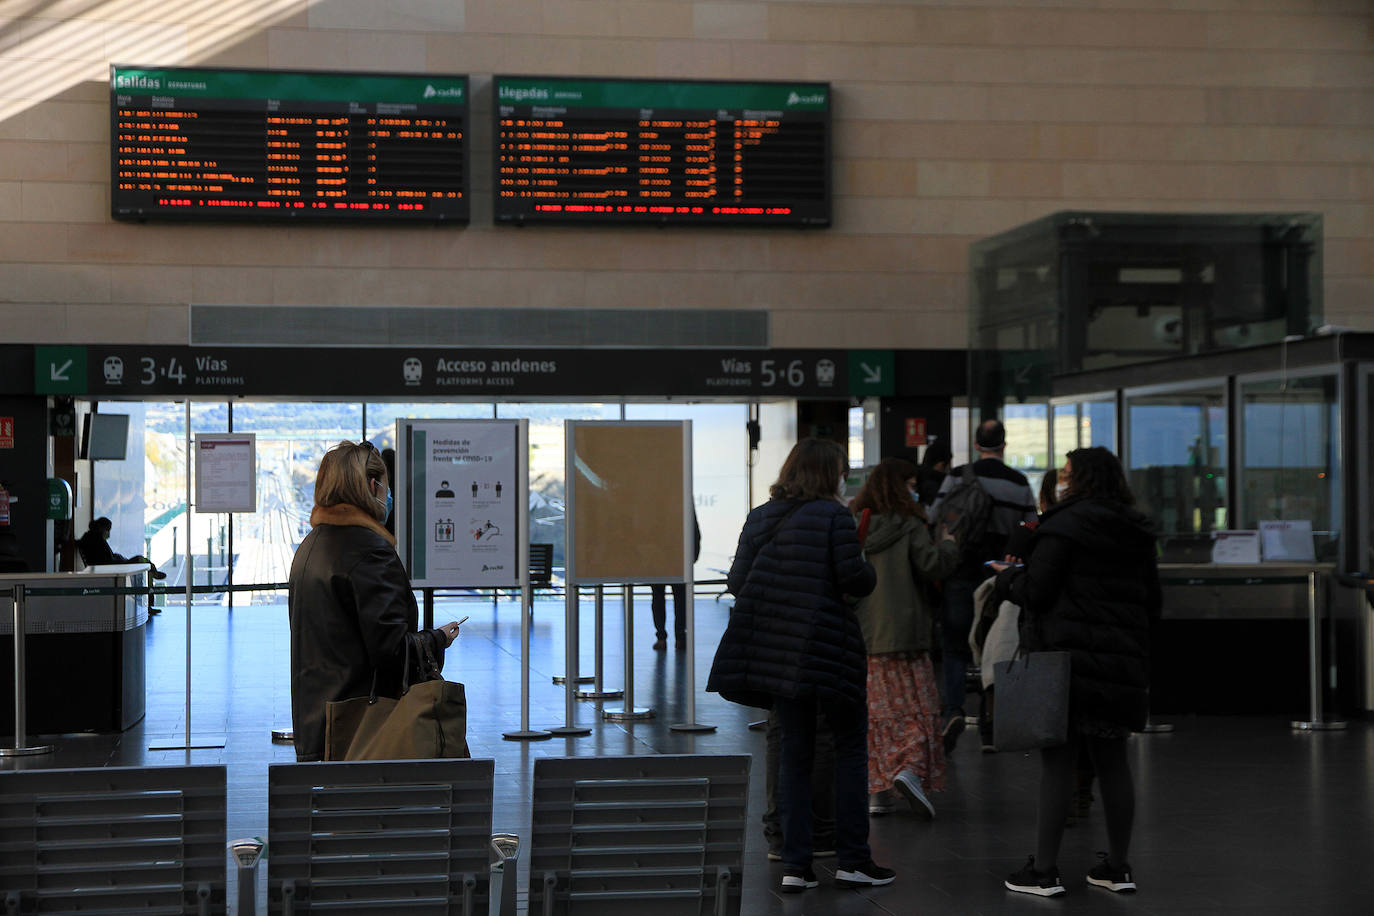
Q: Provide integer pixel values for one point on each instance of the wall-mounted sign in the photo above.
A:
(6, 432)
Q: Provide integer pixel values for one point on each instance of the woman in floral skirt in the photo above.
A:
(904, 749)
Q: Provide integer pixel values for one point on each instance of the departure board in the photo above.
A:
(288, 145)
(658, 151)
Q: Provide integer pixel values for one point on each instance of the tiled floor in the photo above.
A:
(1235, 815)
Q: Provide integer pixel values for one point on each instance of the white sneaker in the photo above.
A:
(909, 784)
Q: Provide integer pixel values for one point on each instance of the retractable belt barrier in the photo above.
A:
(1315, 721)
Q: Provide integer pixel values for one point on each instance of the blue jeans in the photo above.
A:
(956, 620)
(849, 725)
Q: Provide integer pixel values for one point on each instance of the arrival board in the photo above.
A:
(656, 151)
(280, 145)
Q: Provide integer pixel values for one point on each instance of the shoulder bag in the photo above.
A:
(1032, 701)
(428, 720)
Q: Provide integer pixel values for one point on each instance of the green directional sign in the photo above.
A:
(872, 372)
(59, 370)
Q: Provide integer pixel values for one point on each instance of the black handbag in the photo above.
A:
(1032, 701)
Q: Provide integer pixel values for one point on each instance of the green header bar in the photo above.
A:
(573, 93)
(292, 85)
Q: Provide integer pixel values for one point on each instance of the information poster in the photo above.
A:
(1287, 541)
(460, 495)
(226, 472)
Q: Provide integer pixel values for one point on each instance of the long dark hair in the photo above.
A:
(812, 471)
(1097, 472)
(885, 493)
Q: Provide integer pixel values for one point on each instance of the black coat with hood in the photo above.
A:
(1090, 587)
(791, 634)
(351, 609)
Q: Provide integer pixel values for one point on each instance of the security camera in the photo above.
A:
(1169, 330)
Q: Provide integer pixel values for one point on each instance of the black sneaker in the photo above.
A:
(1104, 874)
(1030, 881)
(865, 874)
(954, 727)
(796, 880)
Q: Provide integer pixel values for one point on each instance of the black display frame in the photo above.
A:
(459, 215)
(505, 216)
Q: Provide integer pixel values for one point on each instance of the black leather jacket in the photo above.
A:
(351, 609)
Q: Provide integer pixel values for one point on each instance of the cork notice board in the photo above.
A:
(626, 495)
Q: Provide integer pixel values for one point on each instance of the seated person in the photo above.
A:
(95, 549)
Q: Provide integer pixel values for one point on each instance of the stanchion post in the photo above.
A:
(598, 691)
(21, 748)
(1314, 722)
(526, 613)
(689, 591)
(629, 711)
(570, 728)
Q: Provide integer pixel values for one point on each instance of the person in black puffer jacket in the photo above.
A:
(793, 644)
(350, 604)
(1090, 587)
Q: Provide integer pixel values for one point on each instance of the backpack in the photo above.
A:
(965, 512)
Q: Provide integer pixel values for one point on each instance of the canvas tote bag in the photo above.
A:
(1032, 701)
(428, 720)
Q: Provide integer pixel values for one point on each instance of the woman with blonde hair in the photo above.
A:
(904, 743)
(351, 607)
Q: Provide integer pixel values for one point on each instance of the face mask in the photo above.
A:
(385, 504)
(914, 494)
(840, 490)
(1061, 489)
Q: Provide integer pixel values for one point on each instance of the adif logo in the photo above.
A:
(453, 92)
(798, 99)
(411, 370)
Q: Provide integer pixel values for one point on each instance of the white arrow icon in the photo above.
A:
(1021, 375)
(58, 373)
(872, 374)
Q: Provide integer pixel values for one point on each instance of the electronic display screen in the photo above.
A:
(287, 145)
(658, 151)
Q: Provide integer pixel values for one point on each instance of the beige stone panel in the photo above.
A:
(1348, 220)
(1025, 179)
(955, 25)
(1062, 141)
(841, 254)
(652, 249)
(307, 49)
(654, 19)
(80, 122)
(27, 323)
(164, 285)
(889, 102)
(1350, 295)
(59, 283)
(128, 243)
(513, 17)
(945, 178)
(44, 201)
(855, 23)
(1314, 31)
(554, 288)
(127, 323)
(1349, 258)
(486, 289)
(660, 289)
(88, 162)
(428, 246)
(162, 42)
(395, 51)
(730, 21)
(406, 15)
(33, 160)
(316, 286)
(730, 251)
(616, 56)
(1306, 184)
(1099, 28)
(878, 177)
(902, 139)
(690, 59)
(594, 18)
(1138, 180)
(446, 52)
(969, 217)
(231, 285)
(32, 242)
(769, 60)
(873, 215)
(1290, 107)
(828, 290)
(214, 46)
(951, 103)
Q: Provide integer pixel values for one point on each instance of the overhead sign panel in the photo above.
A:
(659, 151)
(287, 145)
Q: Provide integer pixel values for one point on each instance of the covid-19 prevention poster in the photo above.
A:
(459, 495)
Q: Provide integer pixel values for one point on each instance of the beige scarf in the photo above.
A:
(347, 514)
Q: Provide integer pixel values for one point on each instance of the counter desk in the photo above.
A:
(84, 653)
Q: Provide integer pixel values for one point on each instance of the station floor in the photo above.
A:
(1234, 814)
